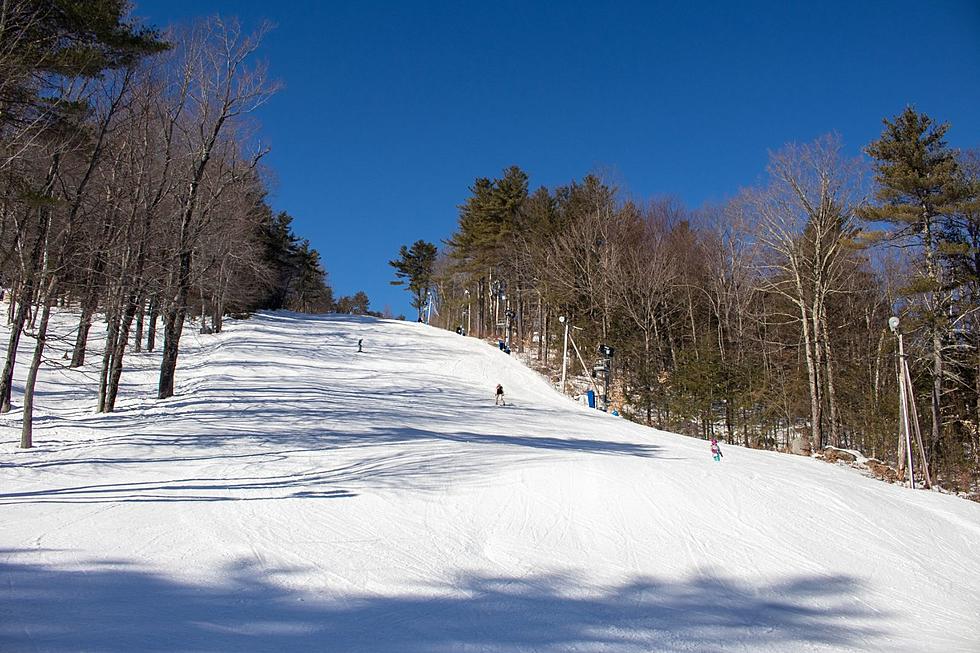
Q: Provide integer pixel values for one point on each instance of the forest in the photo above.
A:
(763, 321)
(132, 189)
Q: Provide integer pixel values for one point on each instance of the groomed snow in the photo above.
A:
(298, 496)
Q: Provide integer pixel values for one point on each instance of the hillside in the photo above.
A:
(296, 495)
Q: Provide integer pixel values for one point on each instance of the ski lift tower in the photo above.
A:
(604, 366)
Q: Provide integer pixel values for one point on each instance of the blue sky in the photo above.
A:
(391, 109)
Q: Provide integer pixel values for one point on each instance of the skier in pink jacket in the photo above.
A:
(715, 450)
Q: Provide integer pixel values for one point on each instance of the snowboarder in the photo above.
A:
(359, 350)
(499, 399)
(715, 450)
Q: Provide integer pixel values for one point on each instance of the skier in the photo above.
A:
(499, 399)
(715, 450)
(359, 350)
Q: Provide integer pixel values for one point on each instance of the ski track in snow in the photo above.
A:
(297, 495)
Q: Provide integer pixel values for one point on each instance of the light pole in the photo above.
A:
(909, 413)
(564, 355)
(469, 309)
(903, 407)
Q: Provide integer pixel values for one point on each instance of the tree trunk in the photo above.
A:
(151, 331)
(13, 342)
(815, 417)
(14, 293)
(112, 332)
(138, 336)
(119, 351)
(938, 306)
(81, 339)
(218, 311)
(173, 325)
(27, 427)
(831, 389)
(937, 385)
(27, 288)
(545, 324)
(694, 330)
(647, 376)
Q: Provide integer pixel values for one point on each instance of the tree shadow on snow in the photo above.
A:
(114, 606)
(245, 476)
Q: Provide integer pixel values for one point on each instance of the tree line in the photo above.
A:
(762, 321)
(132, 190)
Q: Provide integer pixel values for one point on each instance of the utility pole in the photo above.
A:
(564, 355)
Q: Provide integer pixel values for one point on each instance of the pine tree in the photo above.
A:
(309, 292)
(414, 269)
(46, 40)
(919, 190)
(356, 304)
(488, 220)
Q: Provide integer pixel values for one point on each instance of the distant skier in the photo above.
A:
(499, 399)
(359, 350)
(715, 450)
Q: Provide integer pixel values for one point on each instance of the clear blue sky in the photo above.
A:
(391, 109)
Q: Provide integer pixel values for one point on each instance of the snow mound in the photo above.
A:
(298, 495)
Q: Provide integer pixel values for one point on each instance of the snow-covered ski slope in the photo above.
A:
(299, 496)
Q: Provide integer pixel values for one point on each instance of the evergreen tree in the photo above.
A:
(280, 249)
(360, 305)
(919, 188)
(414, 269)
(356, 304)
(298, 279)
(44, 40)
(488, 220)
(309, 292)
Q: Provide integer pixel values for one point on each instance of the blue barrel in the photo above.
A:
(591, 395)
